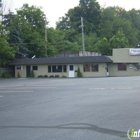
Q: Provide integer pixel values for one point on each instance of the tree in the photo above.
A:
(26, 30)
(119, 40)
(103, 47)
(91, 13)
(108, 15)
(89, 10)
(6, 52)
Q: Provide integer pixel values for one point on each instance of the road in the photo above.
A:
(69, 109)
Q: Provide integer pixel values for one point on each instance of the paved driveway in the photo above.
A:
(69, 109)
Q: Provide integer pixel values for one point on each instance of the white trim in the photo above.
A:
(71, 72)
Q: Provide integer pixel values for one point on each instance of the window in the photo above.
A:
(122, 67)
(71, 67)
(64, 68)
(49, 69)
(35, 67)
(57, 68)
(94, 67)
(86, 67)
(19, 67)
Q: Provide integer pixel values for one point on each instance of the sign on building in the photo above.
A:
(134, 51)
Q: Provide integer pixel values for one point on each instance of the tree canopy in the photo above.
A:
(104, 28)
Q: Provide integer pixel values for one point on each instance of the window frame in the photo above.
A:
(57, 68)
(121, 65)
(88, 69)
(19, 67)
(49, 69)
(96, 68)
(35, 67)
(64, 68)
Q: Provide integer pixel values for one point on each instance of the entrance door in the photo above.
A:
(107, 70)
(28, 71)
(71, 71)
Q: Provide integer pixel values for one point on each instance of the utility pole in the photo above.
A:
(45, 37)
(83, 38)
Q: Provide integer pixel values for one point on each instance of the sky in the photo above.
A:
(57, 8)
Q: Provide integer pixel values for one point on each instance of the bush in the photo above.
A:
(32, 74)
(79, 74)
(45, 76)
(51, 76)
(6, 75)
(57, 76)
(63, 76)
(40, 76)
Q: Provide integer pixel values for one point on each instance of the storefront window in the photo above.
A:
(86, 67)
(19, 67)
(64, 68)
(57, 68)
(49, 69)
(35, 67)
(94, 67)
(122, 67)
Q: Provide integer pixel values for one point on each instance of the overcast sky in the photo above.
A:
(57, 8)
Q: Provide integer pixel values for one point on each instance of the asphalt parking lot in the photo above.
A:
(69, 109)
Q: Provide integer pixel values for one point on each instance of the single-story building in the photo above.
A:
(123, 62)
(90, 66)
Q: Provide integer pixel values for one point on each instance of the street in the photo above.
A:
(69, 109)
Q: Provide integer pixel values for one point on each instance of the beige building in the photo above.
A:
(90, 66)
(124, 62)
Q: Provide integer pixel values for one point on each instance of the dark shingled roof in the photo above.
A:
(62, 60)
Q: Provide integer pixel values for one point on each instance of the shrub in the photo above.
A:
(32, 74)
(51, 76)
(57, 76)
(45, 76)
(6, 75)
(40, 76)
(63, 76)
(79, 74)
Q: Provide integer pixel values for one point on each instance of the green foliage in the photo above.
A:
(40, 76)
(104, 28)
(51, 76)
(6, 75)
(45, 76)
(63, 76)
(6, 52)
(32, 74)
(26, 31)
(89, 10)
(79, 74)
(103, 47)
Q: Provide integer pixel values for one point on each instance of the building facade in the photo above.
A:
(90, 66)
(126, 62)
(123, 62)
